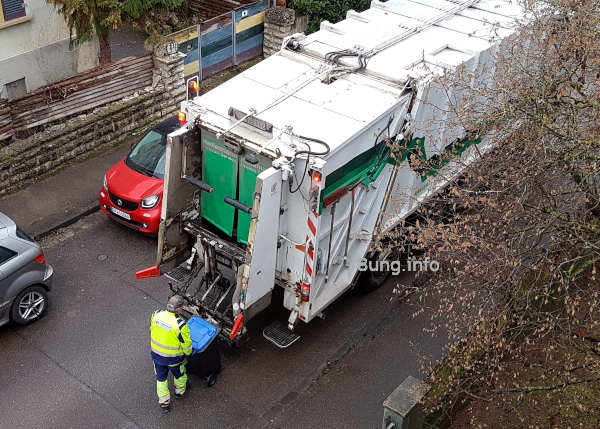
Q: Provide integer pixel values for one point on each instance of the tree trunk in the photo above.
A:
(105, 54)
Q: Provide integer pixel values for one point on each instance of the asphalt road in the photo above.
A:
(87, 363)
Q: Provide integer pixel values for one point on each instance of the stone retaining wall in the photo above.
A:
(27, 160)
(281, 22)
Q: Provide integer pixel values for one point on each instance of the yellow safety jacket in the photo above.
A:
(169, 337)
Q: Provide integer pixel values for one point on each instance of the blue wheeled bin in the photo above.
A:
(205, 361)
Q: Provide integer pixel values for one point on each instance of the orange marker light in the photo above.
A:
(182, 119)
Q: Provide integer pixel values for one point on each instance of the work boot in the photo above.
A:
(181, 395)
(165, 408)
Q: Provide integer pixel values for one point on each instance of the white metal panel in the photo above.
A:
(332, 113)
(352, 101)
(278, 72)
(477, 28)
(264, 232)
(367, 203)
(409, 9)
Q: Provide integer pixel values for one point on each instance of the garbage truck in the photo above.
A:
(286, 175)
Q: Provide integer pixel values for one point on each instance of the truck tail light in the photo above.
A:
(182, 119)
(316, 178)
(192, 85)
(304, 292)
(41, 259)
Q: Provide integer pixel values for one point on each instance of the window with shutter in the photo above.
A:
(13, 9)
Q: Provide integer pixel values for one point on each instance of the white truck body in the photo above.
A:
(312, 241)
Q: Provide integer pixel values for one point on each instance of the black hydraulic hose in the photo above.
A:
(303, 174)
(310, 152)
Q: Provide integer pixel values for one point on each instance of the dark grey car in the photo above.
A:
(25, 277)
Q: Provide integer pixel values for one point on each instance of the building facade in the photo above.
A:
(34, 48)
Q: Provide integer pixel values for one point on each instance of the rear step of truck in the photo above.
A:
(280, 335)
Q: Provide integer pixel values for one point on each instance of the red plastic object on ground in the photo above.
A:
(148, 272)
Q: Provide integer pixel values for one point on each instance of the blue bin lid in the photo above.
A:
(201, 332)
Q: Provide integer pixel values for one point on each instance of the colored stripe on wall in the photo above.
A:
(217, 57)
(216, 47)
(191, 68)
(216, 36)
(249, 33)
(249, 54)
(250, 43)
(191, 56)
(216, 68)
(250, 22)
(252, 9)
(184, 36)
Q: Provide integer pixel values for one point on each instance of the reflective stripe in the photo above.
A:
(163, 354)
(180, 382)
(169, 343)
(164, 347)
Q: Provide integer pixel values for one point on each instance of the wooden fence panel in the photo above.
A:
(207, 9)
(97, 87)
(249, 31)
(5, 120)
(218, 39)
(216, 45)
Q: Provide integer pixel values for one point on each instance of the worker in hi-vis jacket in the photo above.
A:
(170, 343)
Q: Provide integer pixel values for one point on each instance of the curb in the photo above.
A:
(91, 208)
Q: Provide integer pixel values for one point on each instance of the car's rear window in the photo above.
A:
(23, 235)
(6, 254)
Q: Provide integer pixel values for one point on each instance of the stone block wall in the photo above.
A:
(281, 22)
(27, 160)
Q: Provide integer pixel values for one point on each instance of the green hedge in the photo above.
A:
(330, 10)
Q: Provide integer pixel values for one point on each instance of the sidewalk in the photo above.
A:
(63, 198)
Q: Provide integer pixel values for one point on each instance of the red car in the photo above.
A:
(132, 190)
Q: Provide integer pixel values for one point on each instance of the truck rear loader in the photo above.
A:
(286, 175)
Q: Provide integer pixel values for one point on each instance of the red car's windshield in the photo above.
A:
(148, 156)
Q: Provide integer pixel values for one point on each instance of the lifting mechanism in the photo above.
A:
(207, 279)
